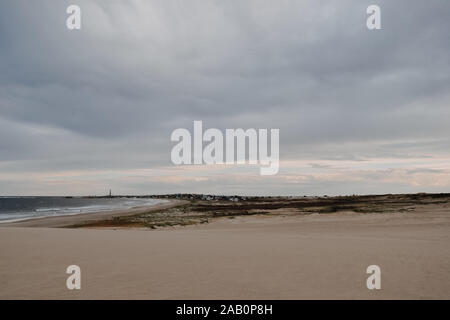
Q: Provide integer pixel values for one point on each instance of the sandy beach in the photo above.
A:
(282, 256)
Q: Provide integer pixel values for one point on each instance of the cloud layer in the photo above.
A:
(83, 111)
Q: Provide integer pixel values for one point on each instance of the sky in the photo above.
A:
(359, 111)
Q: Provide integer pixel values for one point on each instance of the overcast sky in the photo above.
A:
(359, 111)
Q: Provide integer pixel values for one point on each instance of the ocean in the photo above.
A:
(22, 208)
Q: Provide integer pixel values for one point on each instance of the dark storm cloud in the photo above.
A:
(109, 96)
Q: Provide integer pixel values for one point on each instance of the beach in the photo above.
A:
(279, 256)
(67, 220)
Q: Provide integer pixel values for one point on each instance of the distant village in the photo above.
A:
(185, 196)
(204, 197)
(207, 197)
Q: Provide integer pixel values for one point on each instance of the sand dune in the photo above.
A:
(254, 257)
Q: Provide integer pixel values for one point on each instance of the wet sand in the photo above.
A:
(317, 256)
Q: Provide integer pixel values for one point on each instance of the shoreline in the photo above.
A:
(89, 217)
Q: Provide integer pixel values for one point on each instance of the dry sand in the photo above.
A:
(255, 257)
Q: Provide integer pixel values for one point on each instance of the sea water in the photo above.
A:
(22, 208)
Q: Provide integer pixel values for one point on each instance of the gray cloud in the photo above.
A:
(108, 96)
